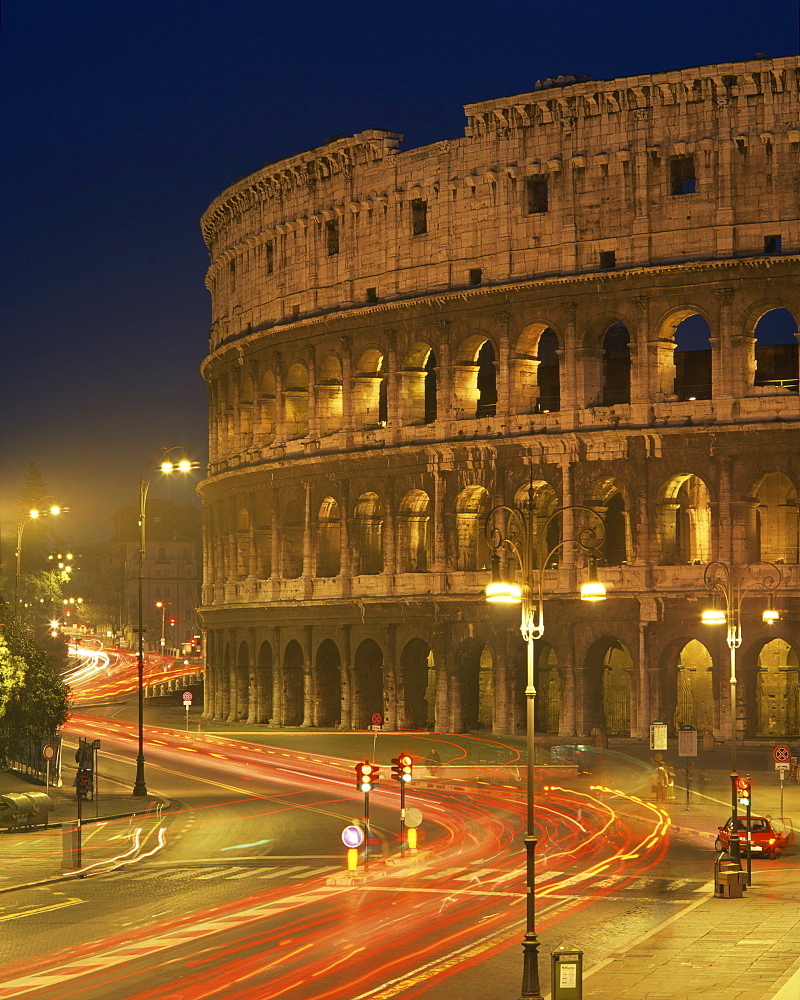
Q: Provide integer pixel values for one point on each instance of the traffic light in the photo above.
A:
(83, 782)
(367, 776)
(743, 791)
(402, 767)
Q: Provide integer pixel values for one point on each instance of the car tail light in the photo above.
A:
(771, 841)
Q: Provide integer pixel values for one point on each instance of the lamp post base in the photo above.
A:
(530, 968)
(140, 788)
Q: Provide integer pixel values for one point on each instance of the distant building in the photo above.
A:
(593, 296)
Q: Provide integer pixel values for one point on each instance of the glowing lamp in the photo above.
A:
(769, 615)
(593, 589)
(498, 591)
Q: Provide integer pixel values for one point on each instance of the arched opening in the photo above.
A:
(413, 543)
(477, 689)
(616, 366)
(694, 692)
(369, 390)
(267, 408)
(472, 549)
(474, 379)
(486, 382)
(417, 385)
(263, 712)
(246, 414)
(776, 520)
(548, 373)
(292, 539)
(367, 683)
(416, 663)
(692, 357)
(329, 685)
(368, 525)
(547, 681)
(777, 693)
(328, 538)
(607, 498)
(539, 499)
(776, 351)
(609, 708)
(329, 396)
(296, 401)
(685, 521)
(293, 684)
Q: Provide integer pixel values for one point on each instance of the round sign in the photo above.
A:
(48, 751)
(352, 836)
(377, 719)
(782, 754)
(413, 817)
(187, 695)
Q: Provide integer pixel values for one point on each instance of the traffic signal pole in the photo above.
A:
(402, 818)
(366, 830)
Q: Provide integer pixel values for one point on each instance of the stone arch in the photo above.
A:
(267, 407)
(246, 395)
(772, 354)
(295, 396)
(416, 686)
(264, 683)
(773, 696)
(293, 684)
(474, 378)
(610, 675)
(369, 389)
(292, 529)
(472, 549)
(368, 534)
(329, 395)
(329, 534)
(684, 521)
(413, 534)
(688, 687)
(773, 535)
(683, 357)
(540, 499)
(417, 380)
(609, 498)
(477, 687)
(368, 693)
(328, 676)
(536, 370)
(547, 681)
(616, 365)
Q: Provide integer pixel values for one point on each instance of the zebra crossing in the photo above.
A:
(228, 873)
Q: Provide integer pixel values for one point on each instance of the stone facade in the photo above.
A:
(582, 296)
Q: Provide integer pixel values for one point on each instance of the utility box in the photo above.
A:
(729, 879)
(566, 981)
(70, 846)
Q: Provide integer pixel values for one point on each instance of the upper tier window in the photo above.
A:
(419, 217)
(535, 195)
(681, 175)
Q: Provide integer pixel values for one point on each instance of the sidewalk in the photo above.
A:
(34, 855)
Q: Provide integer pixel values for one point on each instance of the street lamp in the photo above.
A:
(164, 462)
(514, 529)
(163, 606)
(45, 507)
(725, 608)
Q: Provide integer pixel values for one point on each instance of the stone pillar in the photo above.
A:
(237, 420)
(393, 690)
(277, 677)
(346, 679)
(566, 669)
(275, 545)
(744, 535)
(724, 527)
(208, 692)
(389, 532)
(392, 381)
(503, 365)
(313, 415)
(308, 544)
(439, 561)
(569, 369)
(444, 373)
(445, 716)
(280, 409)
(345, 566)
(347, 386)
(727, 377)
(252, 541)
(309, 694)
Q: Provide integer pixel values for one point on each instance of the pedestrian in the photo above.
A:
(433, 762)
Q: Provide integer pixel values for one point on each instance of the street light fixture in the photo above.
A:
(513, 529)
(726, 596)
(46, 507)
(162, 460)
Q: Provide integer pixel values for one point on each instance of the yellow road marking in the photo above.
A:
(41, 909)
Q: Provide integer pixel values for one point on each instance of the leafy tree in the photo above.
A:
(33, 699)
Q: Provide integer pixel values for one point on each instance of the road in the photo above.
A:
(240, 889)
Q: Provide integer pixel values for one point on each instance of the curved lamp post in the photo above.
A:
(726, 597)
(46, 507)
(514, 529)
(163, 461)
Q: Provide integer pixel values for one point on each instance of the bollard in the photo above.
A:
(566, 974)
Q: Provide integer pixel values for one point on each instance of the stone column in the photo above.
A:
(280, 410)
(568, 370)
(726, 369)
(392, 382)
(277, 677)
(309, 694)
(439, 562)
(308, 544)
(275, 545)
(252, 540)
(566, 669)
(346, 679)
(503, 365)
(313, 415)
(347, 386)
(392, 687)
(345, 570)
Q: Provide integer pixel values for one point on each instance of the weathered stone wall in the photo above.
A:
(359, 438)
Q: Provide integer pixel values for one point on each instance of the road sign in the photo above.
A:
(781, 766)
(352, 836)
(187, 695)
(49, 751)
(377, 719)
(95, 744)
(782, 754)
(413, 817)
(658, 736)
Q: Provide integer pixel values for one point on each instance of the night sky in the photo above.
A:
(123, 120)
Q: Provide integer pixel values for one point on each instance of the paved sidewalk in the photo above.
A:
(33, 855)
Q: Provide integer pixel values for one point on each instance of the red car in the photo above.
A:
(765, 839)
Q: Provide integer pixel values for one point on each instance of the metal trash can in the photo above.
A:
(729, 878)
(566, 974)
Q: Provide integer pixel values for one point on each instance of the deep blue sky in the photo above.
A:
(122, 120)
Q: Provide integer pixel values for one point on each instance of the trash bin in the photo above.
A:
(566, 974)
(25, 809)
(729, 878)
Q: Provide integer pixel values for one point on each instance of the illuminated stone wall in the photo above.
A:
(581, 294)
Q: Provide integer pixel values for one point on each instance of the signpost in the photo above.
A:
(187, 704)
(48, 752)
(377, 722)
(658, 735)
(687, 747)
(783, 761)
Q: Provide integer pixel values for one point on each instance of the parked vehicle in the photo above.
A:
(767, 838)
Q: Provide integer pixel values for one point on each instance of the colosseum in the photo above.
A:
(588, 299)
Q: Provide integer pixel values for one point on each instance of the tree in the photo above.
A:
(33, 698)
